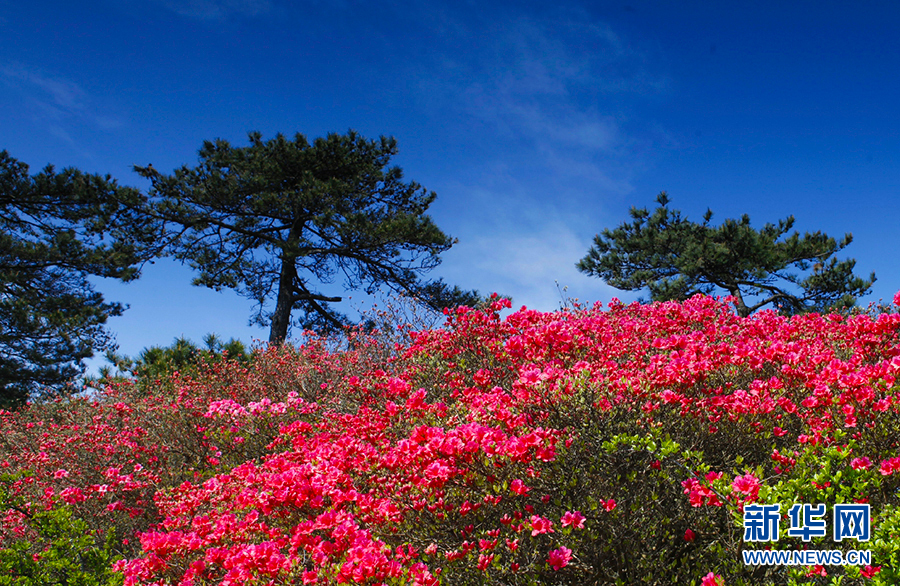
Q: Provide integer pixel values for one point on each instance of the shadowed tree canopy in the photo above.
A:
(278, 218)
(56, 230)
(676, 258)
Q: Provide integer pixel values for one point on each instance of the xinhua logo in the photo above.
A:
(762, 522)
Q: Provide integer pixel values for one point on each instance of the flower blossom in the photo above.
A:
(518, 487)
(572, 519)
(870, 571)
(748, 485)
(560, 558)
(540, 525)
(860, 463)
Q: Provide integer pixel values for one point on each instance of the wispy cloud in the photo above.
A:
(552, 97)
(56, 101)
(554, 82)
(532, 265)
(217, 10)
(551, 102)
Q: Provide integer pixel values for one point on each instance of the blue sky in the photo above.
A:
(537, 125)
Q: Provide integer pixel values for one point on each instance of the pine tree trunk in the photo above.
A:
(281, 317)
(742, 309)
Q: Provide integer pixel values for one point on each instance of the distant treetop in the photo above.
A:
(676, 258)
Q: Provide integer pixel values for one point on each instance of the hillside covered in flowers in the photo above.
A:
(592, 445)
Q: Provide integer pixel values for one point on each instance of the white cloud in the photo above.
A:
(531, 267)
(65, 94)
(525, 250)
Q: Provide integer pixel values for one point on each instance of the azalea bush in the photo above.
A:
(592, 445)
(60, 551)
(105, 456)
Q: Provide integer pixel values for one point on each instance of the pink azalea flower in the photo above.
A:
(72, 495)
(870, 571)
(518, 487)
(572, 519)
(484, 560)
(540, 525)
(889, 466)
(860, 463)
(712, 580)
(817, 570)
(560, 558)
(747, 485)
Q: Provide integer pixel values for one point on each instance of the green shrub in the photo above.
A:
(53, 547)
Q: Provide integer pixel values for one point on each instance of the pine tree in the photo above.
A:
(276, 219)
(676, 258)
(56, 230)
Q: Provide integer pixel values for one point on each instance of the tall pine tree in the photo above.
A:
(277, 219)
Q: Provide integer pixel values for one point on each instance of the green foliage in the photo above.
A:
(55, 548)
(615, 455)
(273, 219)
(676, 258)
(183, 355)
(56, 230)
(885, 546)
